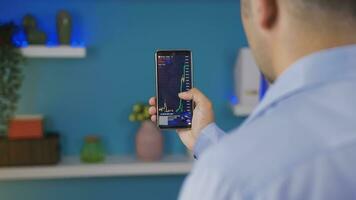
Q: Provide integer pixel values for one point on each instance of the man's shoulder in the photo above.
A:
(286, 135)
(254, 155)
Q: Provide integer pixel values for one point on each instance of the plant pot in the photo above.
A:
(149, 142)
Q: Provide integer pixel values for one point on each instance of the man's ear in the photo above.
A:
(267, 13)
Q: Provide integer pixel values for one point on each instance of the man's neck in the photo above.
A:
(299, 44)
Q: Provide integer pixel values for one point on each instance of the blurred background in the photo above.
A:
(95, 94)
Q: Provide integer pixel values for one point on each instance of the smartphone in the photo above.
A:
(174, 74)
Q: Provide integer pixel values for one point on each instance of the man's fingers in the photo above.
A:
(152, 101)
(195, 95)
(154, 118)
(152, 110)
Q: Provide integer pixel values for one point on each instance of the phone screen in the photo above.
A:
(173, 75)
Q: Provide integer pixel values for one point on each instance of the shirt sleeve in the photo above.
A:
(209, 135)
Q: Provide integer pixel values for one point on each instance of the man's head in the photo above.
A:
(282, 31)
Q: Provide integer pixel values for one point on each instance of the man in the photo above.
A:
(300, 143)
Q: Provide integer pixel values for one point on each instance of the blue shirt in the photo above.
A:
(299, 144)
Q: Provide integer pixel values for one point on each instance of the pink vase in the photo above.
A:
(149, 142)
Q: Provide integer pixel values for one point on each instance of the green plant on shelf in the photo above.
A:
(139, 113)
(10, 74)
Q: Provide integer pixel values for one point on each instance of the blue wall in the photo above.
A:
(95, 94)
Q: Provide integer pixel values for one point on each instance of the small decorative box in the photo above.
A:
(26, 127)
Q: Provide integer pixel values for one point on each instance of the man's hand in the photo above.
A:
(203, 115)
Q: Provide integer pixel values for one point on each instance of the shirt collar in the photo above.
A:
(317, 68)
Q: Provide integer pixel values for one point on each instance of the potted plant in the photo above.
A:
(10, 74)
(149, 140)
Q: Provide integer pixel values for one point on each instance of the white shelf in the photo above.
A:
(71, 167)
(243, 110)
(63, 51)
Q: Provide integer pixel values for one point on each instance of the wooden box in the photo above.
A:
(43, 151)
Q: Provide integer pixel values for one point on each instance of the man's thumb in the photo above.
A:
(186, 95)
(193, 94)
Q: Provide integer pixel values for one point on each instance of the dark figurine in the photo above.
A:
(64, 27)
(33, 34)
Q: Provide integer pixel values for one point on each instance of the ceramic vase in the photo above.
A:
(149, 142)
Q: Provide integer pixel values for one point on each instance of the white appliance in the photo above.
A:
(247, 83)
